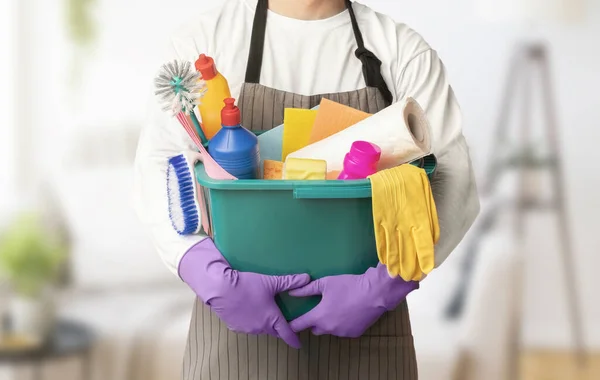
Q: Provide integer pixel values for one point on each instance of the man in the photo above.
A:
(284, 53)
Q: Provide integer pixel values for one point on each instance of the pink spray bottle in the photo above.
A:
(361, 161)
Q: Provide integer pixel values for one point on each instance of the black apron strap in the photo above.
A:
(257, 42)
(371, 64)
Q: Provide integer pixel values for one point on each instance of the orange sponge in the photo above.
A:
(334, 174)
(272, 169)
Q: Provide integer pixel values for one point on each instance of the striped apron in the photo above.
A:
(385, 351)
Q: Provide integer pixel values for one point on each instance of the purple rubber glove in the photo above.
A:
(351, 303)
(244, 301)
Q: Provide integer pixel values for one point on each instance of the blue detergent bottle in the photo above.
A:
(234, 147)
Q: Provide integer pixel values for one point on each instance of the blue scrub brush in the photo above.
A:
(184, 209)
(180, 88)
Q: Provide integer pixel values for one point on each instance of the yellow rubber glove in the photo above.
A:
(405, 220)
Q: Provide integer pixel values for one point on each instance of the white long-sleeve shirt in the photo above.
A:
(308, 58)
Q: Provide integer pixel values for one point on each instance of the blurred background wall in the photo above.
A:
(477, 56)
(54, 92)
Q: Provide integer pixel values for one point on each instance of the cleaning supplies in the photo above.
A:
(297, 126)
(213, 170)
(333, 175)
(187, 203)
(271, 142)
(180, 89)
(333, 118)
(234, 147)
(304, 169)
(400, 130)
(217, 90)
(361, 161)
(272, 169)
(182, 193)
(405, 220)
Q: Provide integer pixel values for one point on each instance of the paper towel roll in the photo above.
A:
(400, 130)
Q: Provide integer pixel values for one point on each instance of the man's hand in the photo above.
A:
(351, 303)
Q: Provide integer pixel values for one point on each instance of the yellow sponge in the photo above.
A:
(305, 169)
(297, 125)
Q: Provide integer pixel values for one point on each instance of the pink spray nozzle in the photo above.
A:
(361, 161)
(366, 150)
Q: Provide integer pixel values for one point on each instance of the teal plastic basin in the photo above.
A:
(322, 228)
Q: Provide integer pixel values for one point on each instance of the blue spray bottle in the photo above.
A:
(234, 147)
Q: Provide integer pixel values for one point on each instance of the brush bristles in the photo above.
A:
(179, 87)
(184, 210)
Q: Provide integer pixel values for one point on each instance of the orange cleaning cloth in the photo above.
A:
(272, 169)
(332, 118)
(297, 126)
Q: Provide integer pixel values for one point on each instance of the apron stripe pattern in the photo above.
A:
(386, 351)
(267, 101)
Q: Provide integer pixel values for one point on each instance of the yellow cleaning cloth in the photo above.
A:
(405, 220)
(272, 169)
(297, 125)
(332, 118)
(305, 169)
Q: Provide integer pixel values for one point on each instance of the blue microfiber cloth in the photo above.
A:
(270, 144)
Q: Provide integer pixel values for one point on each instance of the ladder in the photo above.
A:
(531, 62)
